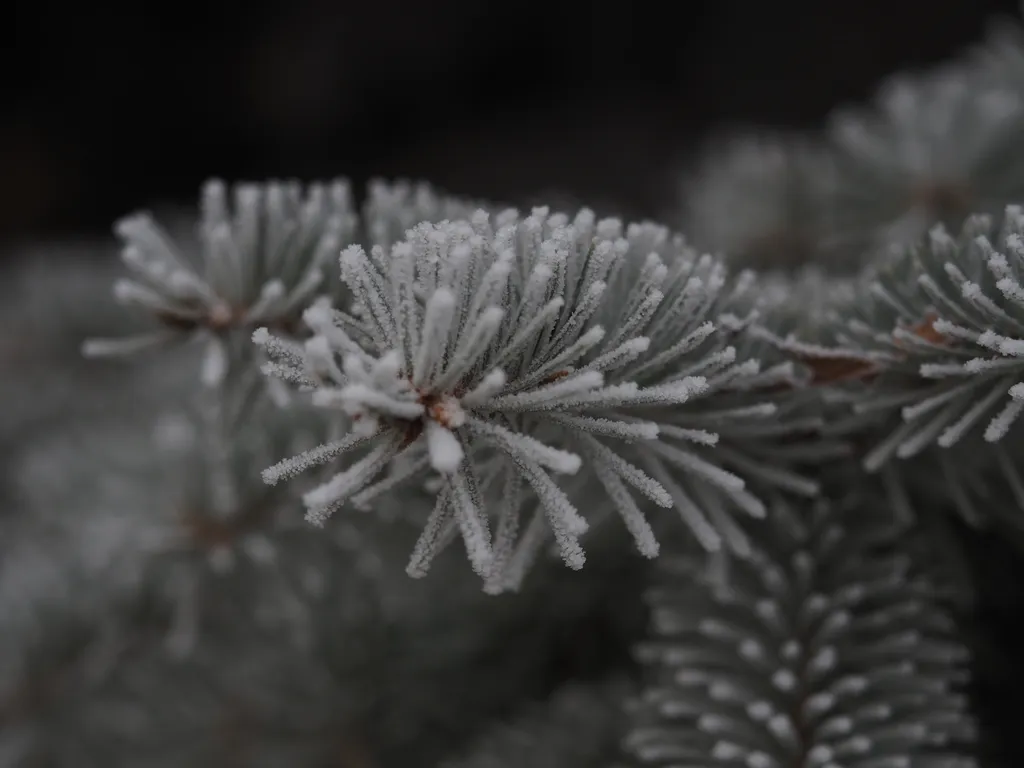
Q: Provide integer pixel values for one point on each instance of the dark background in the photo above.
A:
(108, 110)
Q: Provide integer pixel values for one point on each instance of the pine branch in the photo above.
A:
(259, 259)
(936, 327)
(832, 645)
(498, 353)
(52, 296)
(757, 200)
(933, 148)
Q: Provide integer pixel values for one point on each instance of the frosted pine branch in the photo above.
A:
(511, 352)
(261, 256)
(831, 645)
(941, 324)
(756, 200)
(933, 148)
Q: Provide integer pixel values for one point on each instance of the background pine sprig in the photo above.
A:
(830, 644)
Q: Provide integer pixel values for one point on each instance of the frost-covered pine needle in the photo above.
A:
(830, 646)
(503, 353)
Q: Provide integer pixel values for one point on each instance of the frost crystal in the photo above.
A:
(498, 354)
(829, 646)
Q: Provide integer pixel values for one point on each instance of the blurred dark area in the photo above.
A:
(105, 111)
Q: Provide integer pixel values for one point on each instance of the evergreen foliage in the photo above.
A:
(802, 412)
(829, 645)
